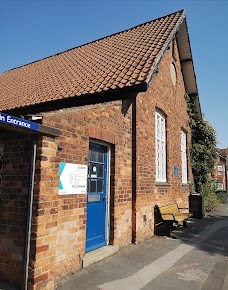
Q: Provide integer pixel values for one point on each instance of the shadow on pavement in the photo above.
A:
(208, 235)
(214, 225)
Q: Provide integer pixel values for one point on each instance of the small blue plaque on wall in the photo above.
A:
(176, 171)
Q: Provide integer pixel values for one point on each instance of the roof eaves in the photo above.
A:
(187, 67)
(111, 94)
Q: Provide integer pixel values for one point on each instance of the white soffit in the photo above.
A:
(186, 59)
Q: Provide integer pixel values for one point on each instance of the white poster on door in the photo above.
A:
(72, 178)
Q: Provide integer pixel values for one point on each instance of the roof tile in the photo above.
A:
(120, 60)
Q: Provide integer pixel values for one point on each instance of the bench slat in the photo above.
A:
(172, 212)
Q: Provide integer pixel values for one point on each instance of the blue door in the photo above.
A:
(96, 197)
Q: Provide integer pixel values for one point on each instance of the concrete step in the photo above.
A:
(99, 254)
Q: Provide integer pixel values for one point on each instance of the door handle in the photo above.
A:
(104, 197)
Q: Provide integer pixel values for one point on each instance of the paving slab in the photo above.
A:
(194, 258)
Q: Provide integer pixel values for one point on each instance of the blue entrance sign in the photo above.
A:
(18, 122)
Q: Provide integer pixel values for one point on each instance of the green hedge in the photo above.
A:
(211, 201)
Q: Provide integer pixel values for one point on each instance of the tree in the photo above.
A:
(204, 152)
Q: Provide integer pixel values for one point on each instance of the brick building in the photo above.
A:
(122, 146)
(220, 175)
(224, 155)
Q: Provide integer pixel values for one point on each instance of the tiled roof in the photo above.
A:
(122, 60)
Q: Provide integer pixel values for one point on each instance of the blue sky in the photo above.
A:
(34, 29)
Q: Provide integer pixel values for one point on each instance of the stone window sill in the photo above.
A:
(162, 184)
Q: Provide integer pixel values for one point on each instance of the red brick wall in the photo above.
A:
(59, 230)
(45, 215)
(13, 198)
(162, 94)
(59, 221)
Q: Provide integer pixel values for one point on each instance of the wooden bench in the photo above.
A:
(167, 215)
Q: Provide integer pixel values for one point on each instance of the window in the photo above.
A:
(160, 140)
(220, 170)
(184, 157)
(220, 186)
(173, 73)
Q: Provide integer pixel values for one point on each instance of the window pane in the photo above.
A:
(100, 185)
(100, 172)
(184, 157)
(160, 147)
(93, 185)
(94, 155)
(101, 156)
(162, 129)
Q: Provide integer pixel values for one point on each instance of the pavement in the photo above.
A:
(194, 258)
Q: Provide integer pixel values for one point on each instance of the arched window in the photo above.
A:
(160, 142)
(184, 157)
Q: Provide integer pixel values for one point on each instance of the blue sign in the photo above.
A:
(18, 122)
(176, 171)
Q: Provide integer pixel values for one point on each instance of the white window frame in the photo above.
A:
(220, 186)
(220, 170)
(160, 145)
(184, 167)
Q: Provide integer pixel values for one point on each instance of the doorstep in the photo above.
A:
(99, 254)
